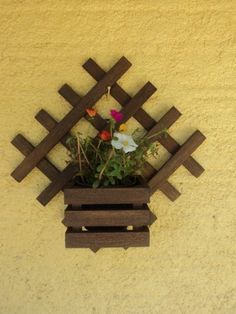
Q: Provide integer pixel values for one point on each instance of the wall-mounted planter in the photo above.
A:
(107, 217)
(95, 209)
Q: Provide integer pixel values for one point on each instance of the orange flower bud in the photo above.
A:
(91, 112)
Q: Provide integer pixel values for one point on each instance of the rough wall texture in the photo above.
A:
(187, 49)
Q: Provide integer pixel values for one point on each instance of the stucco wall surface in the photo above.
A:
(187, 49)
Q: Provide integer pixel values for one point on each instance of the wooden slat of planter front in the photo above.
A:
(70, 119)
(98, 239)
(177, 160)
(142, 117)
(129, 195)
(108, 217)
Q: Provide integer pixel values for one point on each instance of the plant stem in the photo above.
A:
(97, 150)
(85, 157)
(156, 134)
(79, 155)
(104, 168)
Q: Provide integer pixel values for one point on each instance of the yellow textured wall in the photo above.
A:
(187, 49)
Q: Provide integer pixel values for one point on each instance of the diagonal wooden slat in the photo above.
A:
(142, 117)
(168, 189)
(177, 160)
(46, 120)
(165, 187)
(45, 166)
(190, 163)
(137, 101)
(57, 184)
(119, 94)
(70, 119)
(74, 98)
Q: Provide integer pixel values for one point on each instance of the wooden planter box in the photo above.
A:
(107, 217)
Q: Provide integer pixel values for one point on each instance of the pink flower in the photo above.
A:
(116, 115)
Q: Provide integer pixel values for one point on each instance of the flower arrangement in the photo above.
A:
(113, 157)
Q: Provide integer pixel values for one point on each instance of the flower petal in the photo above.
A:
(116, 144)
(116, 115)
(122, 127)
(128, 149)
(132, 142)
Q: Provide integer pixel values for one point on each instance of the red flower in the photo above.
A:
(105, 135)
(116, 115)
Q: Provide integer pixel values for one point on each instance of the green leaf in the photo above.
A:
(96, 184)
(100, 167)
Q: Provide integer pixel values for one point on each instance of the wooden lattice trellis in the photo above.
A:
(99, 218)
(132, 107)
(76, 217)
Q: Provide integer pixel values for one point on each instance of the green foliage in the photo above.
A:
(100, 163)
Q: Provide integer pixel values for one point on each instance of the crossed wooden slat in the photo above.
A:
(131, 107)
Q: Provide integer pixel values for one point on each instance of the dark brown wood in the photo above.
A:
(70, 119)
(45, 166)
(165, 187)
(107, 238)
(122, 215)
(119, 94)
(190, 163)
(168, 189)
(143, 118)
(46, 120)
(116, 195)
(57, 184)
(137, 101)
(74, 98)
(166, 121)
(177, 160)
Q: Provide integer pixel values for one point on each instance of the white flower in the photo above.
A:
(124, 142)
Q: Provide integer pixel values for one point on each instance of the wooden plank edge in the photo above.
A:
(108, 217)
(96, 240)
